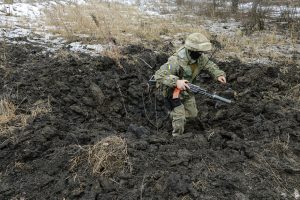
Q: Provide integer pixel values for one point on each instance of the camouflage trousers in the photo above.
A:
(180, 114)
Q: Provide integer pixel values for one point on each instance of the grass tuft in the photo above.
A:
(7, 111)
(108, 156)
(10, 119)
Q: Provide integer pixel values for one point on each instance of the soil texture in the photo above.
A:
(249, 149)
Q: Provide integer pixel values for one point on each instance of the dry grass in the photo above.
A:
(280, 146)
(21, 166)
(257, 46)
(263, 165)
(10, 119)
(275, 158)
(186, 197)
(200, 185)
(7, 111)
(108, 156)
(294, 94)
(114, 53)
(112, 23)
(117, 24)
(75, 162)
(3, 59)
(8, 1)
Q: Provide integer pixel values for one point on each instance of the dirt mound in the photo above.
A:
(247, 150)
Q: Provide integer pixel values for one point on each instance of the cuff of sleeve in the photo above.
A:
(221, 73)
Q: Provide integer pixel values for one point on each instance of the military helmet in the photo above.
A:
(197, 42)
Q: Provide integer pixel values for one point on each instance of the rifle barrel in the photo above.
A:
(214, 96)
(196, 89)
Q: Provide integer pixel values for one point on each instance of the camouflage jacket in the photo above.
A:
(182, 66)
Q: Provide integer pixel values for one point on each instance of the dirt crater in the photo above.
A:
(247, 150)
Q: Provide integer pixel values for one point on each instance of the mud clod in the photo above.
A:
(97, 94)
(245, 150)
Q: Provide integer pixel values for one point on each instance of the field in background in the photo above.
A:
(113, 22)
(119, 24)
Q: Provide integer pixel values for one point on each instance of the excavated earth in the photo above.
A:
(249, 149)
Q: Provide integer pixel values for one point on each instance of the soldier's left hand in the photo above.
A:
(222, 79)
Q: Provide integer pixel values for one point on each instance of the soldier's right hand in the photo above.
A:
(182, 84)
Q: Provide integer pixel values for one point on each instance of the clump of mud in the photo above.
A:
(247, 150)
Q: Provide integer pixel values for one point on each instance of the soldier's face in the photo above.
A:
(195, 54)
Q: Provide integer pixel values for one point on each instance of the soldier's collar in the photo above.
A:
(190, 60)
(184, 56)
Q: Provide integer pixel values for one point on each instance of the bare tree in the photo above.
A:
(257, 15)
(138, 2)
(180, 2)
(255, 5)
(214, 6)
(256, 21)
(234, 6)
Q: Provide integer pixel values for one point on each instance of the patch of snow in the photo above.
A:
(21, 9)
(7, 20)
(296, 194)
(279, 10)
(264, 61)
(32, 10)
(93, 50)
(128, 2)
(153, 13)
(229, 28)
(15, 33)
(275, 11)
(20, 20)
(80, 1)
(283, 194)
(245, 6)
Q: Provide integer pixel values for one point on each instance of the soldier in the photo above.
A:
(181, 68)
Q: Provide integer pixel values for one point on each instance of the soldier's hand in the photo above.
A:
(182, 84)
(222, 79)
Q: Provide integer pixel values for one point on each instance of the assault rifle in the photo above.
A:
(196, 90)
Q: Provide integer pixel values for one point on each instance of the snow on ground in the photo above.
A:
(275, 11)
(22, 9)
(245, 6)
(279, 10)
(32, 10)
(93, 50)
(21, 20)
(231, 26)
(296, 194)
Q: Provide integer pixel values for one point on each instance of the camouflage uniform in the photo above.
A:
(182, 66)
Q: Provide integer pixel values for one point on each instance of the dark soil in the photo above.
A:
(247, 150)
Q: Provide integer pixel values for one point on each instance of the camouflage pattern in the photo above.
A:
(197, 42)
(168, 74)
(180, 113)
